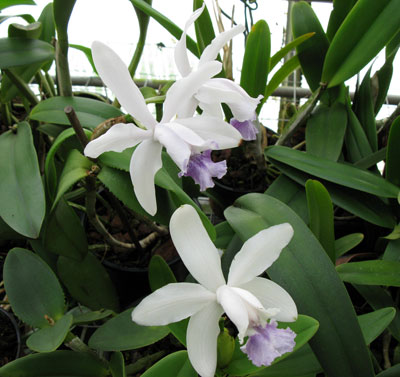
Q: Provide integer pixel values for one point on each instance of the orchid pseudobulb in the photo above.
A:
(181, 138)
(252, 303)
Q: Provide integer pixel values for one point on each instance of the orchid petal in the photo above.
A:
(177, 148)
(211, 51)
(116, 139)
(180, 52)
(145, 162)
(189, 109)
(116, 77)
(258, 253)
(235, 308)
(182, 90)
(195, 248)
(185, 133)
(213, 109)
(201, 339)
(172, 303)
(226, 91)
(209, 128)
(272, 295)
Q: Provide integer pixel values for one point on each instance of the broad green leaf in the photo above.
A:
(366, 30)
(275, 59)
(393, 153)
(393, 371)
(84, 315)
(224, 235)
(372, 159)
(64, 233)
(287, 68)
(9, 3)
(372, 272)
(203, 27)
(46, 18)
(311, 53)
(255, 67)
(375, 323)
(56, 364)
(88, 282)
(174, 365)
(117, 365)
(31, 31)
(22, 205)
(159, 273)
(23, 51)
(346, 243)
(378, 298)
(305, 327)
(340, 10)
(320, 213)
(335, 172)
(364, 109)
(365, 206)
(306, 272)
(325, 131)
(166, 23)
(76, 168)
(32, 288)
(392, 251)
(89, 111)
(50, 167)
(49, 338)
(121, 333)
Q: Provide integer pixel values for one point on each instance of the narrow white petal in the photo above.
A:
(179, 93)
(176, 147)
(116, 139)
(272, 295)
(213, 109)
(180, 52)
(145, 162)
(258, 253)
(235, 308)
(195, 248)
(172, 303)
(215, 129)
(188, 109)
(201, 339)
(211, 51)
(226, 91)
(116, 76)
(185, 133)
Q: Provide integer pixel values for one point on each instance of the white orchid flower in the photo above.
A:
(216, 91)
(182, 138)
(249, 301)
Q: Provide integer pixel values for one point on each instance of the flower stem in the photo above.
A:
(73, 119)
(22, 86)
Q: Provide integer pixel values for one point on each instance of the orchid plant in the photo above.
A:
(250, 287)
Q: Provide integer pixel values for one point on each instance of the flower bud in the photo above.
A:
(225, 348)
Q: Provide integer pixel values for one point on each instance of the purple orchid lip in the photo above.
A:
(202, 169)
(247, 129)
(268, 343)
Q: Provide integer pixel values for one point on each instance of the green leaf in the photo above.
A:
(88, 53)
(375, 323)
(89, 111)
(325, 131)
(62, 14)
(32, 288)
(64, 233)
(393, 371)
(166, 23)
(392, 251)
(88, 282)
(121, 333)
(320, 213)
(76, 168)
(305, 327)
(381, 82)
(311, 53)
(335, 172)
(203, 27)
(55, 364)
(23, 51)
(9, 3)
(255, 67)
(23, 204)
(31, 31)
(46, 18)
(224, 235)
(306, 272)
(366, 30)
(346, 243)
(49, 338)
(340, 10)
(174, 365)
(393, 153)
(117, 365)
(372, 272)
(159, 273)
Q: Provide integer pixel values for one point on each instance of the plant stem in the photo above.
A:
(143, 363)
(22, 86)
(44, 84)
(63, 76)
(50, 81)
(73, 119)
